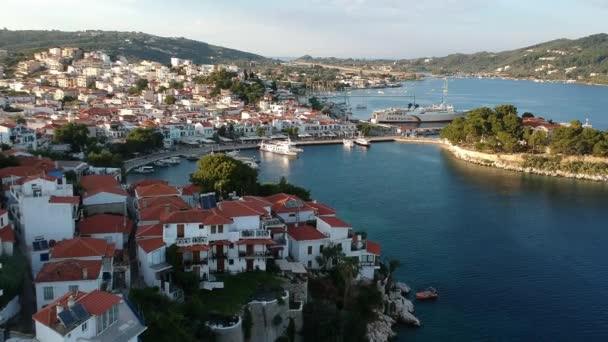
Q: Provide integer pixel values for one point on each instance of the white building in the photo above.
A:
(18, 136)
(94, 316)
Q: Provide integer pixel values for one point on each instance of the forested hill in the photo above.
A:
(557, 59)
(133, 45)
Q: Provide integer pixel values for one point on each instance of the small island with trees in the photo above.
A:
(501, 138)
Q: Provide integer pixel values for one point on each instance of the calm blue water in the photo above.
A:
(514, 256)
(557, 101)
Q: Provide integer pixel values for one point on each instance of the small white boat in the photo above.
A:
(160, 163)
(172, 160)
(348, 142)
(362, 141)
(144, 169)
(233, 154)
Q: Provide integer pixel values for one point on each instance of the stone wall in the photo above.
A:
(230, 334)
(264, 327)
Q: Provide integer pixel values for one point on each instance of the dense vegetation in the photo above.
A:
(133, 45)
(250, 90)
(11, 276)
(221, 173)
(501, 130)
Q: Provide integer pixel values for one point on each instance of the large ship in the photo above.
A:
(415, 114)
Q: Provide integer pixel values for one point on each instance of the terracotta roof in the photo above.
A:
(193, 248)
(203, 216)
(111, 190)
(261, 200)
(155, 213)
(65, 199)
(96, 303)
(175, 201)
(220, 243)
(321, 208)
(334, 222)
(7, 234)
(154, 230)
(104, 223)
(158, 189)
(373, 247)
(152, 244)
(279, 203)
(82, 247)
(305, 233)
(92, 182)
(190, 189)
(241, 208)
(18, 171)
(67, 270)
(145, 182)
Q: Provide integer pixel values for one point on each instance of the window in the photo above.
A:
(231, 246)
(180, 230)
(73, 288)
(309, 264)
(48, 293)
(309, 250)
(201, 226)
(44, 257)
(321, 249)
(213, 229)
(84, 326)
(1, 221)
(292, 215)
(230, 261)
(220, 229)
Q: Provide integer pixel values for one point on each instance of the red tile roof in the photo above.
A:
(64, 199)
(96, 303)
(7, 234)
(104, 223)
(69, 270)
(279, 203)
(241, 208)
(373, 247)
(190, 189)
(261, 200)
(321, 208)
(334, 222)
(146, 181)
(175, 201)
(82, 247)
(93, 182)
(157, 189)
(154, 230)
(193, 248)
(305, 233)
(203, 216)
(111, 190)
(151, 244)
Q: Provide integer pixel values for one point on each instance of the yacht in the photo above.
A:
(348, 142)
(415, 114)
(362, 141)
(172, 160)
(279, 147)
(144, 169)
(160, 163)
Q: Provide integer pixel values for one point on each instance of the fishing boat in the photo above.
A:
(144, 169)
(348, 142)
(427, 294)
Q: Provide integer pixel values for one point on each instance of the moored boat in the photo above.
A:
(279, 147)
(427, 294)
(348, 142)
(362, 141)
(192, 157)
(160, 163)
(144, 169)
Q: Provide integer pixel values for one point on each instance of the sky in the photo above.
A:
(323, 28)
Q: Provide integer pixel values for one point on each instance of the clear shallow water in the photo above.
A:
(558, 101)
(514, 256)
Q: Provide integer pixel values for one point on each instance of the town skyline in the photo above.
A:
(339, 28)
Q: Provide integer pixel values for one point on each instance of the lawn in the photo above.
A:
(238, 290)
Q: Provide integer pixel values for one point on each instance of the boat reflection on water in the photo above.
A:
(280, 161)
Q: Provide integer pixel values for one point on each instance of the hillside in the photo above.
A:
(584, 59)
(133, 45)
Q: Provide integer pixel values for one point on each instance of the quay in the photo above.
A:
(134, 163)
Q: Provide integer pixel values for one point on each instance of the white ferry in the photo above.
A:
(280, 147)
(414, 114)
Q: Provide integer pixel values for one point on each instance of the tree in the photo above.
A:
(537, 141)
(283, 186)
(170, 99)
(315, 103)
(348, 269)
(392, 266)
(144, 140)
(292, 132)
(527, 115)
(273, 85)
(260, 131)
(223, 174)
(104, 159)
(76, 135)
(8, 161)
(330, 256)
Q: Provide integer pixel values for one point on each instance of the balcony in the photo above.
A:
(189, 241)
(272, 222)
(254, 234)
(257, 254)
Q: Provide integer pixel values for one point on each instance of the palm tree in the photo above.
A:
(393, 265)
(329, 256)
(348, 268)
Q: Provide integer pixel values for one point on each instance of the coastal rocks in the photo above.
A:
(381, 329)
(403, 288)
(401, 309)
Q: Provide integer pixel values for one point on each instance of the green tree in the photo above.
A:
(170, 100)
(104, 159)
(315, 103)
(144, 140)
(76, 135)
(538, 141)
(260, 131)
(527, 115)
(8, 161)
(223, 174)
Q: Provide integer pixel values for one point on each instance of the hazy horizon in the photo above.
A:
(390, 29)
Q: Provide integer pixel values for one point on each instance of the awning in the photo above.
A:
(305, 135)
(224, 139)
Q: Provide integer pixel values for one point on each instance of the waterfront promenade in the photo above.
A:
(134, 163)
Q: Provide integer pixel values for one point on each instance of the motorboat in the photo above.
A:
(427, 294)
(144, 169)
(192, 157)
(348, 142)
(363, 141)
(172, 160)
(160, 163)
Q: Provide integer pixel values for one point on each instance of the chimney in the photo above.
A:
(85, 273)
(70, 301)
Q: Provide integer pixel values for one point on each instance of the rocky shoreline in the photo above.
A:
(396, 309)
(514, 163)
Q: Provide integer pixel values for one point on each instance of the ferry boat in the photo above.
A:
(144, 169)
(415, 114)
(362, 141)
(348, 142)
(280, 147)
